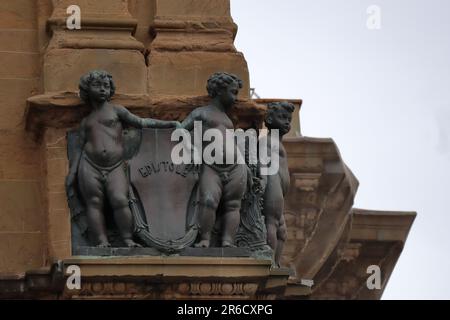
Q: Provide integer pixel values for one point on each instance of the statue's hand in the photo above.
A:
(177, 124)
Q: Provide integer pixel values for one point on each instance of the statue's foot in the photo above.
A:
(228, 244)
(131, 244)
(202, 244)
(104, 245)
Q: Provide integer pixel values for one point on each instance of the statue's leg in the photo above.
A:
(273, 209)
(91, 189)
(234, 191)
(210, 191)
(281, 238)
(117, 192)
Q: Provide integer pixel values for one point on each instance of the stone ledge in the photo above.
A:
(297, 291)
(115, 23)
(151, 278)
(373, 225)
(166, 277)
(65, 110)
(188, 252)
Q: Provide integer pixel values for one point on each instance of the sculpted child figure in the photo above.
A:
(221, 183)
(99, 168)
(279, 116)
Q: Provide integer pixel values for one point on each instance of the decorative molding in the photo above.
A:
(350, 251)
(324, 192)
(152, 278)
(151, 289)
(307, 182)
(119, 23)
(173, 24)
(89, 43)
(209, 35)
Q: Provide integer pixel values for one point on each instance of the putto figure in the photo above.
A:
(279, 116)
(99, 168)
(219, 183)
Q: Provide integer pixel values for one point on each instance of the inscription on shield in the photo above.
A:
(165, 190)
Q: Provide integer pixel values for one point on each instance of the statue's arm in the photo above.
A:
(138, 122)
(188, 123)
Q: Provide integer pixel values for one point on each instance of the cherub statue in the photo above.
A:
(99, 168)
(279, 116)
(219, 183)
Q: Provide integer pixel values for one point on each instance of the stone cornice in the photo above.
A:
(96, 23)
(151, 278)
(373, 225)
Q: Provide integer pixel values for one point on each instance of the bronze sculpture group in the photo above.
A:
(98, 171)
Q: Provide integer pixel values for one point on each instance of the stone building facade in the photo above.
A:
(160, 53)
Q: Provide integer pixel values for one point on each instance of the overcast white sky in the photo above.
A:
(382, 95)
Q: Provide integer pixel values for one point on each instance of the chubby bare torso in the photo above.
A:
(103, 130)
(276, 185)
(281, 177)
(212, 118)
(219, 182)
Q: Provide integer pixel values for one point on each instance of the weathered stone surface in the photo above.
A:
(19, 159)
(21, 251)
(58, 215)
(22, 215)
(110, 9)
(43, 12)
(13, 97)
(186, 73)
(17, 14)
(193, 8)
(107, 43)
(318, 206)
(192, 40)
(143, 11)
(20, 40)
(362, 245)
(58, 229)
(19, 65)
(61, 249)
(64, 67)
(21, 206)
(372, 225)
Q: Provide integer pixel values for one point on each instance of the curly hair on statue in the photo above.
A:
(280, 106)
(87, 79)
(219, 81)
